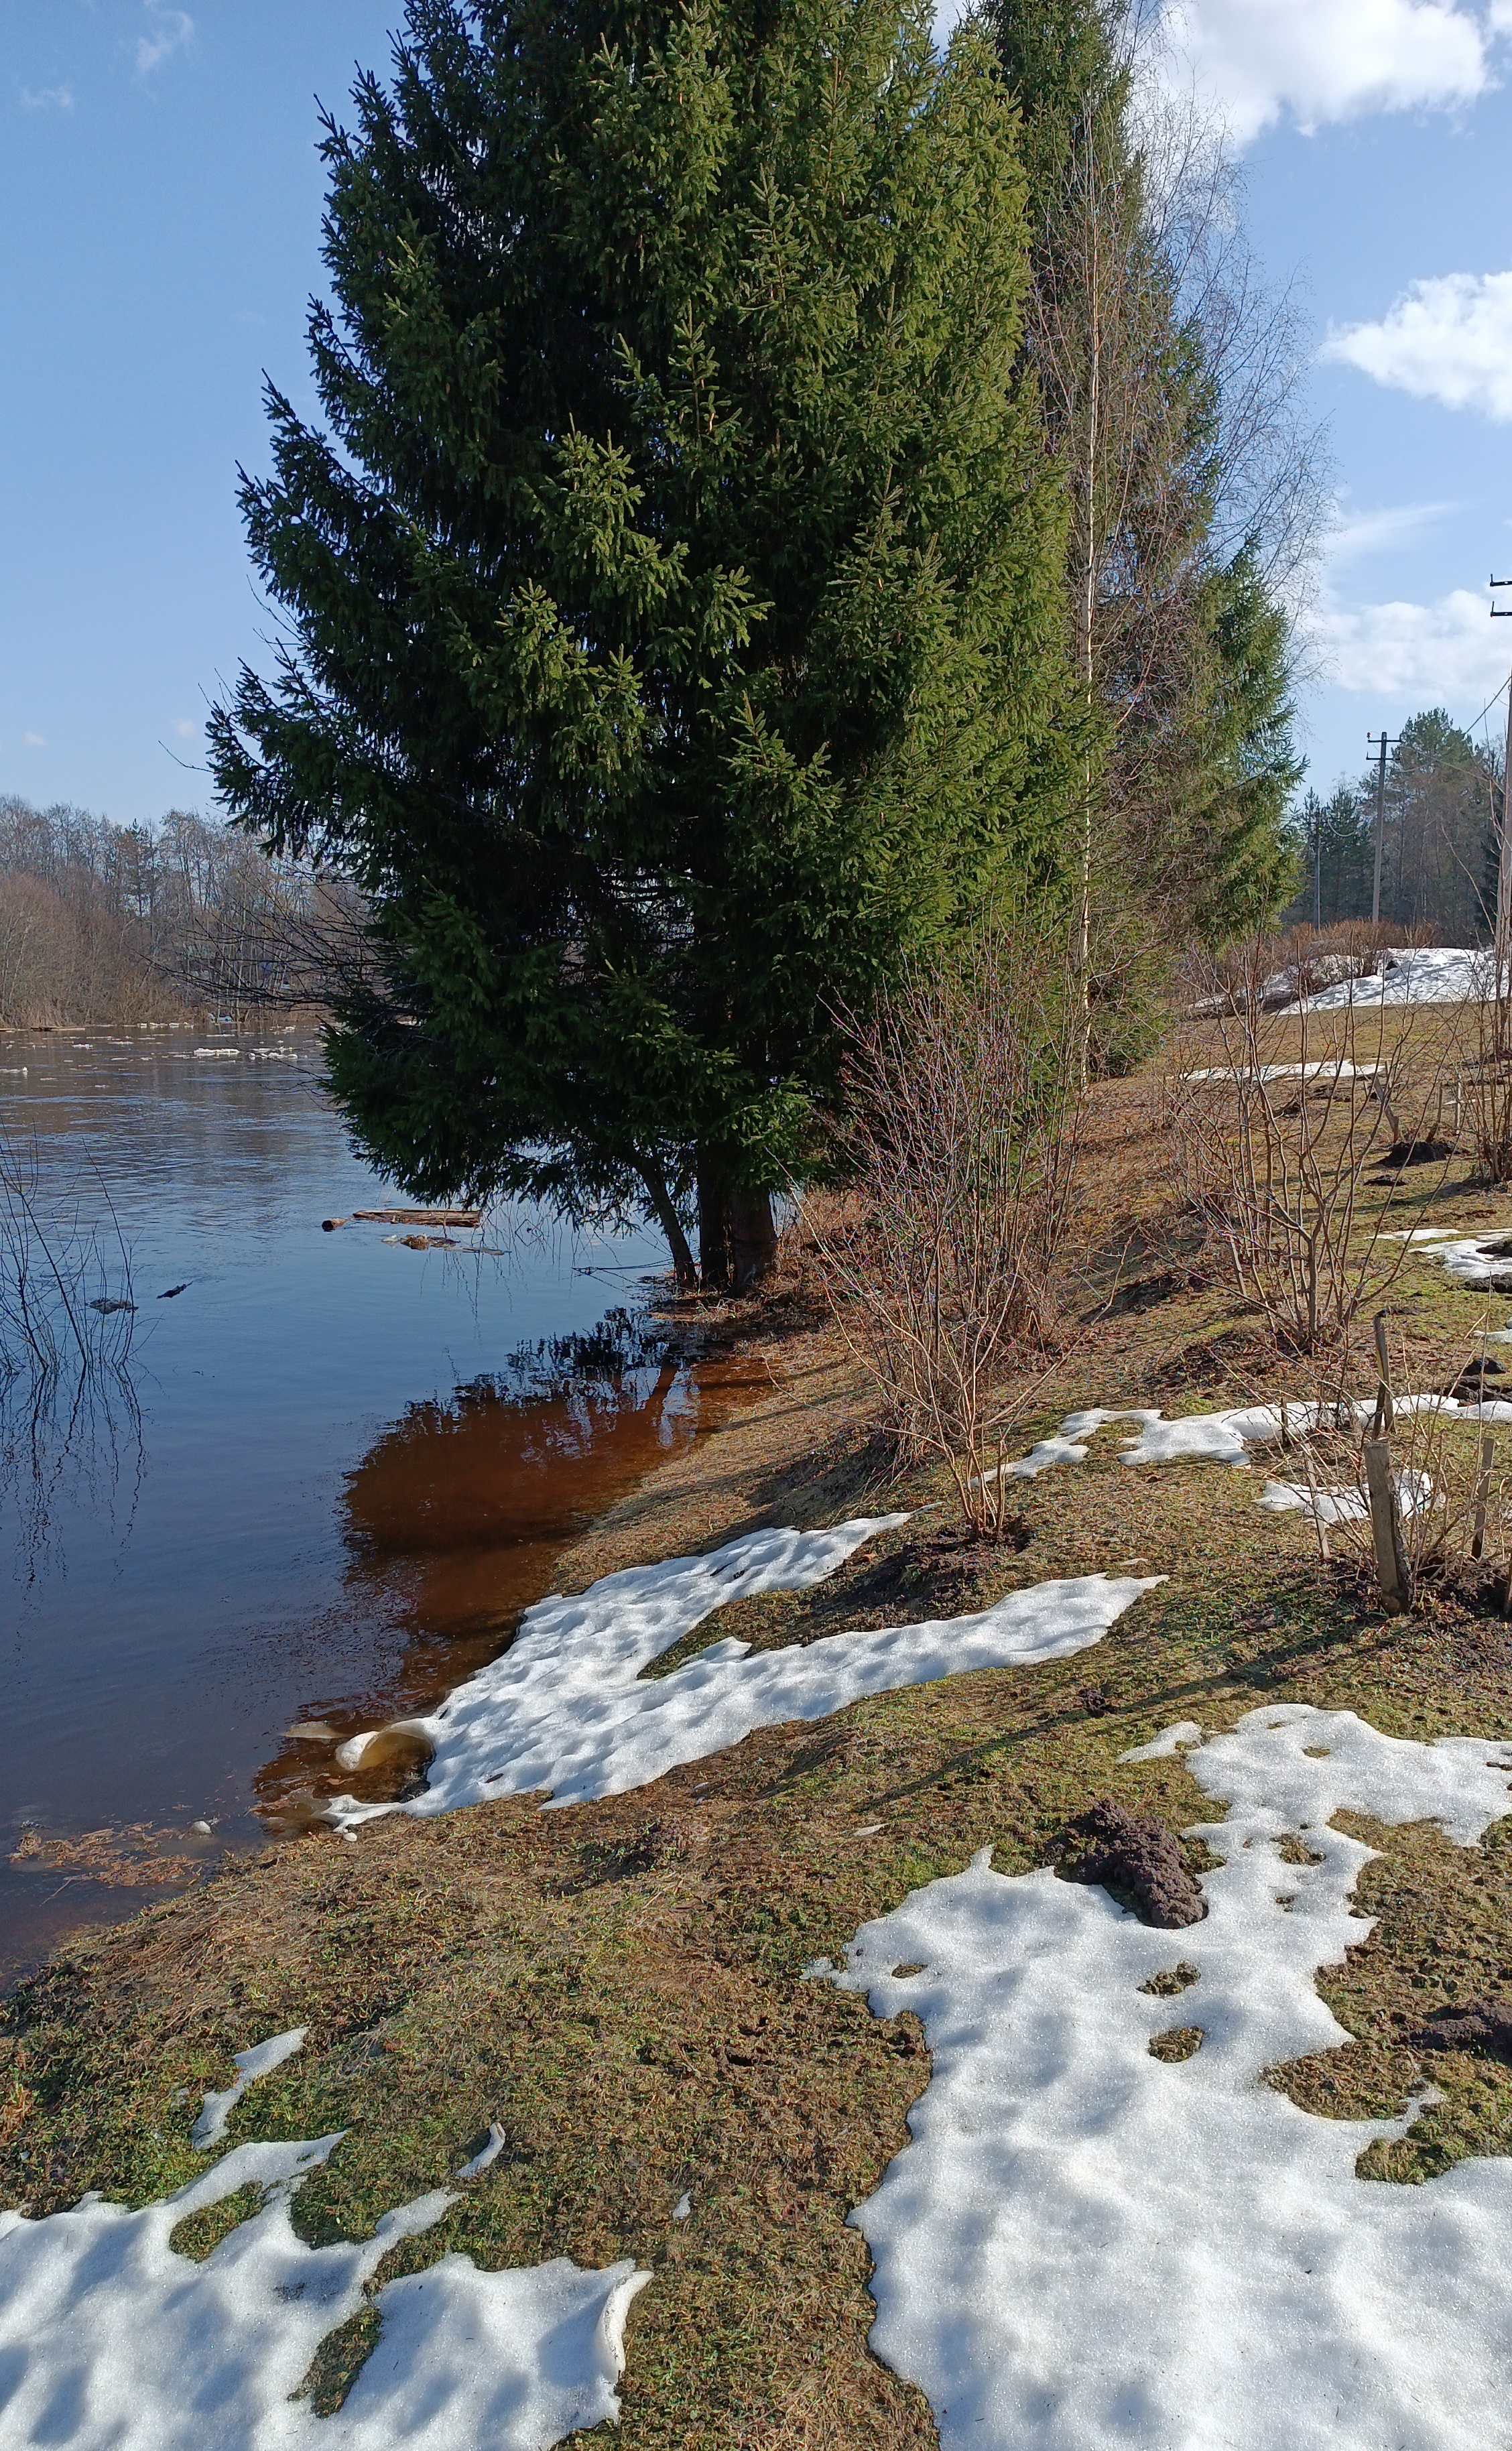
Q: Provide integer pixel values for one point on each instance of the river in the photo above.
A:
(326, 1479)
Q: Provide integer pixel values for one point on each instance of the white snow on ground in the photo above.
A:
(1223, 1437)
(1085, 2246)
(210, 2125)
(109, 2341)
(1411, 974)
(487, 2154)
(1475, 1259)
(566, 1708)
(1335, 1070)
(1170, 1740)
(1347, 1506)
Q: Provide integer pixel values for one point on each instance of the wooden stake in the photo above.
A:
(1385, 1526)
(1386, 1415)
(1483, 1491)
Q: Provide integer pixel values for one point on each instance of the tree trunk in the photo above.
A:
(714, 1227)
(752, 1236)
(667, 1219)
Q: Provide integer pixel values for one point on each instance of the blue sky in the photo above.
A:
(159, 198)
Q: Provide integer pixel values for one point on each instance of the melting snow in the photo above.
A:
(1411, 974)
(1349, 1505)
(1085, 2245)
(487, 2154)
(1482, 1259)
(566, 1708)
(109, 2341)
(1334, 1069)
(209, 2127)
(1225, 1438)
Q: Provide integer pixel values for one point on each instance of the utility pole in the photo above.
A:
(1503, 867)
(1384, 744)
(1317, 863)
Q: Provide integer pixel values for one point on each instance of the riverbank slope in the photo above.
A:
(619, 1985)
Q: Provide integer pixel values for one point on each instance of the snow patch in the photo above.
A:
(1085, 2245)
(1483, 1260)
(1349, 1505)
(1411, 974)
(1225, 1438)
(1170, 1740)
(487, 2154)
(1333, 1070)
(111, 2340)
(566, 1710)
(1221, 1437)
(209, 2129)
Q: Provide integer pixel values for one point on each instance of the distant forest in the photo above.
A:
(1439, 837)
(108, 923)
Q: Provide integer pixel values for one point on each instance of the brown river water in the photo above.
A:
(322, 1480)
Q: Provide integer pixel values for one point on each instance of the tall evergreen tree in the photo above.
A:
(1155, 357)
(674, 602)
(1440, 839)
(1335, 851)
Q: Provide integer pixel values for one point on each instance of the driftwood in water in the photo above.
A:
(419, 1216)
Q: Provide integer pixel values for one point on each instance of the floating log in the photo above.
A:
(420, 1216)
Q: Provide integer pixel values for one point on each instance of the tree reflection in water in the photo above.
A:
(71, 1425)
(456, 1517)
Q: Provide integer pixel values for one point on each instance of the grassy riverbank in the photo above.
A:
(618, 1984)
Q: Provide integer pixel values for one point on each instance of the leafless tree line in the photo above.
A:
(123, 923)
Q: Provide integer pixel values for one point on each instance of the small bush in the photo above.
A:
(961, 1114)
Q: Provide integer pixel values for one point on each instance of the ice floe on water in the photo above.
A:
(111, 2341)
(566, 1707)
(1086, 2245)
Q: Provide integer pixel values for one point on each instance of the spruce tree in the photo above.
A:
(672, 592)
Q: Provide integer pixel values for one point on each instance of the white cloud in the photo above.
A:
(1317, 61)
(171, 30)
(1444, 653)
(1448, 340)
(1361, 533)
(51, 97)
(184, 726)
(32, 740)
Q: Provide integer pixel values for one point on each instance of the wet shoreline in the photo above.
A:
(331, 1474)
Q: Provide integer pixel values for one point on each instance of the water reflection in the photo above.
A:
(278, 1506)
(70, 1419)
(70, 1442)
(455, 1517)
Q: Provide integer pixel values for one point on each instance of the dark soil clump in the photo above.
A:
(1481, 2024)
(1137, 1861)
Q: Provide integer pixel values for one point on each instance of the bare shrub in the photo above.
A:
(962, 1116)
(1447, 1472)
(1485, 1083)
(1275, 1137)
